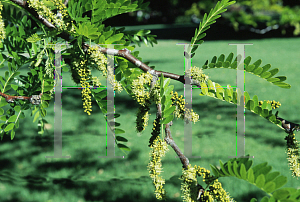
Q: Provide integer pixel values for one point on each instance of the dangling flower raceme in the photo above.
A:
(293, 154)
(138, 88)
(44, 11)
(189, 184)
(190, 188)
(155, 93)
(142, 117)
(159, 149)
(191, 116)
(2, 26)
(84, 74)
(155, 130)
(180, 111)
(215, 189)
(100, 61)
(197, 74)
(179, 103)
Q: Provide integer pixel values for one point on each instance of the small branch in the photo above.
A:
(125, 53)
(34, 99)
(170, 141)
(43, 20)
(24, 4)
(66, 2)
(122, 53)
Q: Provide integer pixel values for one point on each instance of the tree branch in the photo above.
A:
(34, 99)
(168, 137)
(170, 141)
(24, 4)
(122, 53)
(125, 53)
(66, 2)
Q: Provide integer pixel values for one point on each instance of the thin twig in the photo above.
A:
(168, 137)
(125, 54)
(66, 2)
(170, 141)
(34, 99)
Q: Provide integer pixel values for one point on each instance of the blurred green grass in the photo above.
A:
(26, 175)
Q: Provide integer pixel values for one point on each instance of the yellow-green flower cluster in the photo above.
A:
(190, 190)
(155, 93)
(138, 88)
(294, 158)
(155, 130)
(2, 26)
(33, 38)
(61, 7)
(117, 85)
(112, 80)
(179, 103)
(273, 103)
(95, 81)
(215, 189)
(159, 149)
(84, 76)
(189, 184)
(180, 109)
(44, 11)
(197, 74)
(142, 117)
(191, 116)
(293, 154)
(99, 59)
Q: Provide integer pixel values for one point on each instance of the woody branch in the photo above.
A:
(122, 53)
(125, 54)
(168, 137)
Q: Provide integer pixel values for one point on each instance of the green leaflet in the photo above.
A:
(206, 22)
(89, 30)
(114, 38)
(99, 95)
(9, 127)
(260, 181)
(243, 172)
(269, 187)
(254, 68)
(137, 36)
(166, 103)
(123, 147)
(259, 176)
(216, 91)
(120, 138)
(102, 10)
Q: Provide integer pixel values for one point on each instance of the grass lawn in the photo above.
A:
(26, 175)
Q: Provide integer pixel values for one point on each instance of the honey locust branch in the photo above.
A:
(122, 53)
(168, 136)
(127, 55)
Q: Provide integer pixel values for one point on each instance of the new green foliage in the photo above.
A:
(100, 95)
(253, 68)
(166, 102)
(260, 176)
(206, 22)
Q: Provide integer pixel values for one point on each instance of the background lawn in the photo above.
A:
(26, 175)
